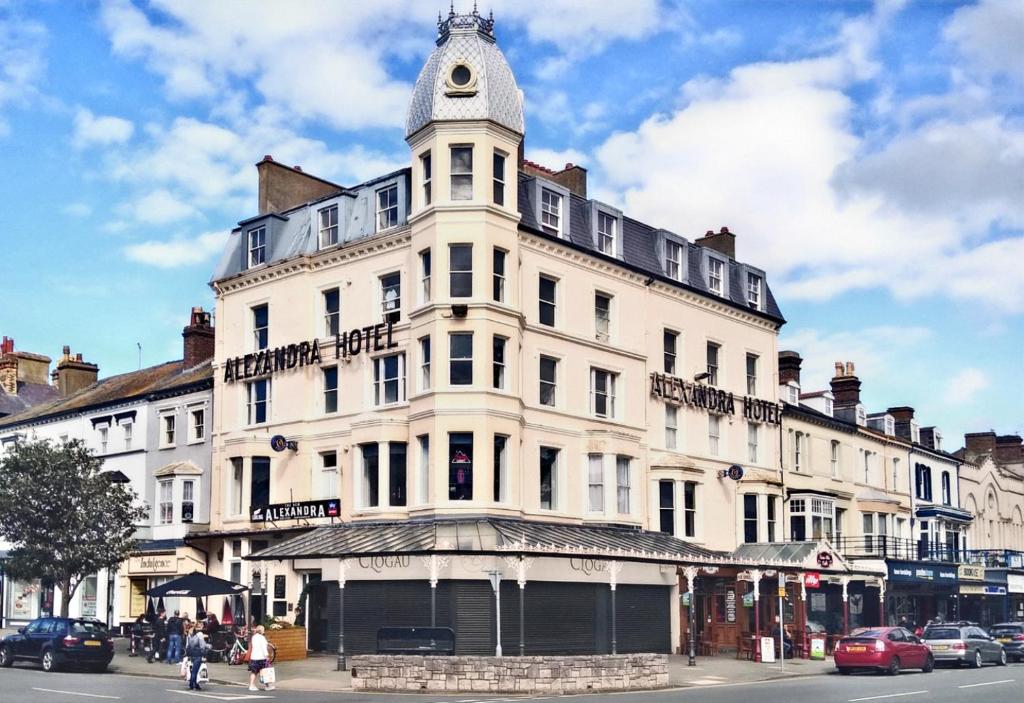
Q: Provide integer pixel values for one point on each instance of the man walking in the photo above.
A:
(159, 637)
(174, 634)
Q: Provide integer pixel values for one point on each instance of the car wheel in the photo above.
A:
(976, 662)
(894, 667)
(6, 659)
(929, 664)
(49, 661)
(1002, 658)
(844, 670)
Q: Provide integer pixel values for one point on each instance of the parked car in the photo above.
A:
(1011, 635)
(964, 643)
(59, 642)
(888, 649)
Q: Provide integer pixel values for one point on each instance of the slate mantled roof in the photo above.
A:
(29, 395)
(165, 379)
(485, 535)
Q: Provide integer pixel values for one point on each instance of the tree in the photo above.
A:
(63, 516)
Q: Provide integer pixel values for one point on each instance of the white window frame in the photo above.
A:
(168, 432)
(552, 303)
(752, 377)
(453, 272)
(714, 434)
(188, 495)
(556, 469)
(674, 265)
(332, 320)
(713, 369)
(754, 290)
(623, 484)
(426, 351)
(611, 379)
(499, 369)
(498, 179)
(197, 432)
(336, 390)
(603, 319)
(551, 211)
(328, 230)
(426, 171)
(670, 354)
(390, 306)
(798, 451)
(328, 483)
(380, 381)
(423, 469)
(256, 345)
(671, 426)
(236, 490)
(256, 246)
(251, 404)
(387, 211)
(753, 443)
(595, 484)
(541, 383)
(461, 174)
(426, 275)
(607, 241)
(165, 501)
(104, 433)
(498, 280)
(127, 430)
(462, 360)
(716, 272)
(834, 451)
(501, 468)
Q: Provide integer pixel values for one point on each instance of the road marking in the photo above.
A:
(987, 683)
(888, 695)
(220, 696)
(76, 693)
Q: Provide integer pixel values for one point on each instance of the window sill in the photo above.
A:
(196, 441)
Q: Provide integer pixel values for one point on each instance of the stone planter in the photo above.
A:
(290, 643)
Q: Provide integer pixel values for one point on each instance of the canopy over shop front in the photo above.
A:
(196, 585)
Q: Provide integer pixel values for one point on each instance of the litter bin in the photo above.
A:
(818, 646)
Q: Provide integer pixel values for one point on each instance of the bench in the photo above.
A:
(416, 640)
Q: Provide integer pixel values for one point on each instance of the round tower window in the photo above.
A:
(461, 75)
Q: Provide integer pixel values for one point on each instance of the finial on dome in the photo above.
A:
(472, 20)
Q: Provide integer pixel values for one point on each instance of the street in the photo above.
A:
(23, 684)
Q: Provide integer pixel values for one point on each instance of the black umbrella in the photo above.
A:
(196, 585)
(200, 610)
(150, 613)
(160, 606)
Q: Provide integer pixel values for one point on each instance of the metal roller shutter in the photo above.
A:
(642, 619)
(472, 602)
(561, 618)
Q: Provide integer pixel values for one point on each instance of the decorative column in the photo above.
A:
(755, 576)
(691, 576)
(342, 574)
(846, 605)
(613, 572)
(434, 564)
(803, 618)
(521, 564)
(495, 576)
(881, 601)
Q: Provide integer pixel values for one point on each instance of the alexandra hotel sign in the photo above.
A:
(372, 338)
(673, 389)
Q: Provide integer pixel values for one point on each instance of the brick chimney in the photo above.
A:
(723, 242)
(1008, 449)
(904, 417)
(198, 336)
(8, 367)
(980, 443)
(284, 187)
(572, 177)
(789, 367)
(73, 374)
(845, 385)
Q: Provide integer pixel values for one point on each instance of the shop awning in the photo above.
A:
(488, 536)
(811, 556)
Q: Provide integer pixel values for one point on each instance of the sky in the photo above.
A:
(868, 156)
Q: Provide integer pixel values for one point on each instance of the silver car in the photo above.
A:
(959, 642)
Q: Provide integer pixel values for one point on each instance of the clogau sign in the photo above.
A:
(675, 390)
(271, 361)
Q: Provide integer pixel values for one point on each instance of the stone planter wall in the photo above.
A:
(580, 674)
(290, 643)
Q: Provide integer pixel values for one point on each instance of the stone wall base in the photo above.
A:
(554, 674)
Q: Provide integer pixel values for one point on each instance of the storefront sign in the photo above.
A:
(735, 472)
(977, 589)
(825, 559)
(748, 600)
(588, 566)
(163, 564)
(1015, 583)
(675, 390)
(730, 606)
(908, 571)
(968, 572)
(812, 579)
(296, 511)
(378, 564)
(268, 362)
(279, 443)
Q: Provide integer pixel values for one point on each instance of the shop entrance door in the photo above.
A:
(316, 614)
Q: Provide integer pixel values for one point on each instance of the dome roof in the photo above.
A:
(466, 78)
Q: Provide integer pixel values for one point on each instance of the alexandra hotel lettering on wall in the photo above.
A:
(268, 362)
(673, 389)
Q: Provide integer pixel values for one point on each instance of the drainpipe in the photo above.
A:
(783, 525)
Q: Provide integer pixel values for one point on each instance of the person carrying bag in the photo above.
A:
(195, 648)
(259, 660)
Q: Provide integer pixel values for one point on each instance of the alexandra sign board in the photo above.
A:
(296, 511)
(268, 362)
(675, 390)
(909, 571)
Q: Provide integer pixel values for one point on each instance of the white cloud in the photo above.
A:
(103, 130)
(965, 386)
(77, 209)
(22, 60)
(991, 35)
(181, 251)
(159, 207)
(773, 151)
(556, 159)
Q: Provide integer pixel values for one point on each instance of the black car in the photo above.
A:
(1011, 634)
(58, 642)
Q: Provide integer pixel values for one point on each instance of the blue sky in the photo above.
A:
(869, 156)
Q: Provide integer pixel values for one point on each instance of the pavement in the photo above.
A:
(711, 671)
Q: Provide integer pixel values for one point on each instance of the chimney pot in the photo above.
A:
(849, 369)
(268, 157)
(725, 230)
(789, 367)
(839, 370)
(67, 350)
(297, 168)
(709, 233)
(198, 338)
(845, 386)
(73, 374)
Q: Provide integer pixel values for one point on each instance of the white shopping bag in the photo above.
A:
(267, 676)
(184, 668)
(204, 674)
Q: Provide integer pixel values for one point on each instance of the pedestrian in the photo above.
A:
(159, 636)
(195, 648)
(259, 657)
(174, 634)
(138, 632)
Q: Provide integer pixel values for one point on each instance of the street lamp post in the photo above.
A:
(342, 566)
(496, 585)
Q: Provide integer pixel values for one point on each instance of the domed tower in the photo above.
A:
(464, 128)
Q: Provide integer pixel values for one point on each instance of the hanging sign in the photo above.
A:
(278, 443)
(825, 559)
(812, 579)
(735, 472)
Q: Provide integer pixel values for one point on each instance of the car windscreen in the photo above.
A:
(867, 633)
(942, 633)
(1006, 630)
(88, 627)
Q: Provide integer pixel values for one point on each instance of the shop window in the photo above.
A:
(460, 466)
(280, 605)
(397, 474)
(370, 474)
(549, 478)
(460, 270)
(750, 518)
(667, 507)
(259, 484)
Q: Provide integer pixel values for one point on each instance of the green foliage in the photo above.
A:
(63, 516)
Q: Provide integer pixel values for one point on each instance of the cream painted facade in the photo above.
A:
(994, 495)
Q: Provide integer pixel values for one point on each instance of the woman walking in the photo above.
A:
(259, 657)
(195, 648)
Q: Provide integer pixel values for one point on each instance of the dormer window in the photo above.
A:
(674, 260)
(915, 432)
(862, 416)
(387, 208)
(890, 425)
(257, 246)
(328, 226)
(462, 173)
(828, 406)
(754, 291)
(716, 276)
(551, 212)
(607, 226)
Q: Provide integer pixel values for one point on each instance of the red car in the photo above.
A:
(887, 649)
